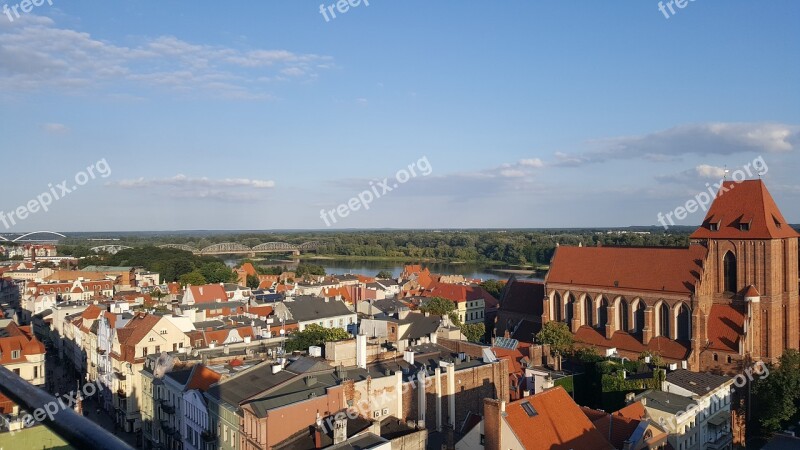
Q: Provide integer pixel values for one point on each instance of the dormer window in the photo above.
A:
(744, 227)
(777, 222)
(713, 226)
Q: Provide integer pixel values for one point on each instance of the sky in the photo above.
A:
(447, 114)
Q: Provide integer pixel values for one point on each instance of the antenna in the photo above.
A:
(727, 171)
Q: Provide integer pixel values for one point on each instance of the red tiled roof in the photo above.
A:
(248, 269)
(525, 297)
(137, 328)
(674, 270)
(93, 312)
(261, 310)
(202, 378)
(513, 356)
(559, 425)
(751, 292)
(725, 328)
(666, 347)
(17, 339)
(209, 293)
(460, 293)
(746, 202)
(616, 429)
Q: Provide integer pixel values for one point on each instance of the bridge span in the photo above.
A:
(232, 248)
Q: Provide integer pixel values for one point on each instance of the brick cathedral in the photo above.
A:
(729, 298)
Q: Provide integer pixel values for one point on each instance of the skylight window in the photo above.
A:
(529, 409)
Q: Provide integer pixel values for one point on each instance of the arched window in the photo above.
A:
(622, 315)
(729, 272)
(587, 311)
(558, 308)
(638, 316)
(684, 323)
(568, 314)
(602, 313)
(663, 320)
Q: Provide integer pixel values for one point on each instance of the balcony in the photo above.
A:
(167, 407)
(76, 430)
(208, 436)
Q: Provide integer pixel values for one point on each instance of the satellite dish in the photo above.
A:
(164, 364)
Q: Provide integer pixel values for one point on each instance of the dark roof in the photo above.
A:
(420, 325)
(666, 401)
(525, 297)
(389, 305)
(781, 442)
(699, 383)
(308, 308)
(238, 388)
(180, 376)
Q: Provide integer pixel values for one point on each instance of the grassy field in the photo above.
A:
(33, 438)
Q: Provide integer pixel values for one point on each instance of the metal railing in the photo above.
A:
(76, 430)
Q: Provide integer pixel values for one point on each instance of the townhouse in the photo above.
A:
(307, 310)
(143, 335)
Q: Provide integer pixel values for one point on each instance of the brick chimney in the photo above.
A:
(493, 411)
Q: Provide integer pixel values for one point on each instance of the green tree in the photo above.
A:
(557, 336)
(217, 272)
(253, 281)
(441, 307)
(315, 335)
(474, 332)
(384, 275)
(494, 287)
(776, 396)
(195, 278)
(309, 269)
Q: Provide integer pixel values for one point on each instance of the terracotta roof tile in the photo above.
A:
(725, 328)
(559, 423)
(202, 378)
(666, 347)
(748, 202)
(674, 270)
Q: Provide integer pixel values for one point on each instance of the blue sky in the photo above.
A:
(257, 115)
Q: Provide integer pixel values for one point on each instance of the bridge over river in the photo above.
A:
(232, 248)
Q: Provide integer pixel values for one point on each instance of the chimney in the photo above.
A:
(493, 411)
(339, 430)
(361, 351)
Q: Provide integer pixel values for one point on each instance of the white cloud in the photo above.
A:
(36, 54)
(697, 139)
(55, 128)
(703, 172)
(532, 162)
(181, 180)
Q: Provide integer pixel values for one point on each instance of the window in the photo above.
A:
(729, 272)
(15, 354)
(35, 372)
(529, 409)
(158, 349)
(144, 351)
(713, 226)
(744, 227)
(163, 331)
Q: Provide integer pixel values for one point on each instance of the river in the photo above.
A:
(371, 268)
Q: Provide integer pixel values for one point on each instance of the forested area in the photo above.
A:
(507, 247)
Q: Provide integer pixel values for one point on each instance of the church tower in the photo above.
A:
(752, 249)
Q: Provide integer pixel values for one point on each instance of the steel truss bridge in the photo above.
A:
(232, 248)
(112, 249)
